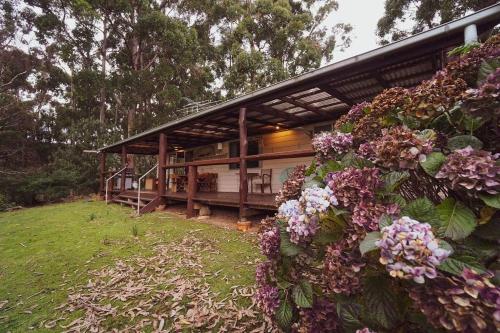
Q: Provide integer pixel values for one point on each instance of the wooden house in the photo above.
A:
(217, 156)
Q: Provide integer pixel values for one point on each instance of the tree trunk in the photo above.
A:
(102, 111)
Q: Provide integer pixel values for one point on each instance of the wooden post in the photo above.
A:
(124, 172)
(243, 224)
(191, 190)
(102, 173)
(162, 161)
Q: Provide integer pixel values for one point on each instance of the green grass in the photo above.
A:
(46, 250)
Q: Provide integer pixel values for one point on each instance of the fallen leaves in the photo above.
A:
(167, 292)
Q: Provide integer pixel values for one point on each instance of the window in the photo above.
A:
(253, 149)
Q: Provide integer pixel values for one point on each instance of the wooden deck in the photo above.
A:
(228, 199)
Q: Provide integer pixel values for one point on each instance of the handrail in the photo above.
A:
(113, 176)
(258, 157)
(139, 188)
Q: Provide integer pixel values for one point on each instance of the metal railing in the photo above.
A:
(113, 176)
(139, 188)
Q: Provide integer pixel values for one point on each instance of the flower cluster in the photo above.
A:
(484, 101)
(389, 101)
(303, 215)
(331, 144)
(322, 317)
(351, 186)
(367, 214)
(409, 250)
(269, 242)
(469, 303)
(292, 186)
(267, 299)
(397, 148)
(342, 267)
(467, 66)
(435, 96)
(265, 273)
(470, 169)
(355, 113)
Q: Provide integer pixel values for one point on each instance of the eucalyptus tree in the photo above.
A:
(424, 14)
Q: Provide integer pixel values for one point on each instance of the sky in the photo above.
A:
(363, 16)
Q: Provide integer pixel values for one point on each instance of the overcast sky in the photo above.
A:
(363, 16)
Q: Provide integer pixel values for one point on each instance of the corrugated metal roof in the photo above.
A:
(403, 63)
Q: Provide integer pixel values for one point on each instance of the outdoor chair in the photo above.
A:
(264, 180)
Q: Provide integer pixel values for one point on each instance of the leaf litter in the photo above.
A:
(166, 292)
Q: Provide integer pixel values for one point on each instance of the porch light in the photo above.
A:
(277, 127)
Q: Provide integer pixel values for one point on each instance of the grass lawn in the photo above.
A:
(52, 251)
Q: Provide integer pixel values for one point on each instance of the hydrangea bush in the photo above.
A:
(395, 225)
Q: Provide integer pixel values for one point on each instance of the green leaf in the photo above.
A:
(349, 313)
(283, 284)
(422, 210)
(284, 314)
(287, 248)
(346, 127)
(352, 160)
(330, 166)
(331, 229)
(311, 169)
(368, 243)
(462, 141)
(487, 67)
(385, 221)
(303, 294)
(456, 264)
(394, 179)
(457, 221)
(395, 198)
(491, 200)
(382, 301)
(445, 245)
(433, 163)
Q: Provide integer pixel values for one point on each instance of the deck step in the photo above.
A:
(134, 196)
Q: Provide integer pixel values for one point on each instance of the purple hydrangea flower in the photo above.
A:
(351, 186)
(267, 299)
(409, 250)
(330, 144)
(270, 242)
(265, 272)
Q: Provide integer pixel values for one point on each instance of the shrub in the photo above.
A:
(394, 227)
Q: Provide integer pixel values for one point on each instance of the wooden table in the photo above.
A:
(251, 176)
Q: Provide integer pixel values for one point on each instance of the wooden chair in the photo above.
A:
(264, 180)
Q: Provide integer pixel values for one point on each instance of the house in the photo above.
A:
(216, 156)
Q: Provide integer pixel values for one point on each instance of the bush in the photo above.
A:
(396, 230)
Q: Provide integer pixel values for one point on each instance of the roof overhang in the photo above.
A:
(320, 95)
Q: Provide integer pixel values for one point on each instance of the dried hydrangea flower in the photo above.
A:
(409, 250)
(355, 113)
(342, 267)
(434, 96)
(466, 303)
(467, 66)
(389, 101)
(292, 186)
(367, 214)
(328, 145)
(322, 317)
(484, 101)
(351, 186)
(269, 242)
(397, 148)
(265, 272)
(267, 299)
(470, 169)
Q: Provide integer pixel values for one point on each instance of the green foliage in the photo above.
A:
(135, 230)
(394, 179)
(368, 243)
(385, 304)
(491, 200)
(433, 163)
(303, 294)
(352, 160)
(462, 141)
(284, 314)
(92, 216)
(349, 312)
(423, 210)
(456, 264)
(457, 221)
(287, 248)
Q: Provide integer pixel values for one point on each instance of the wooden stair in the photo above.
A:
(149, 200)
